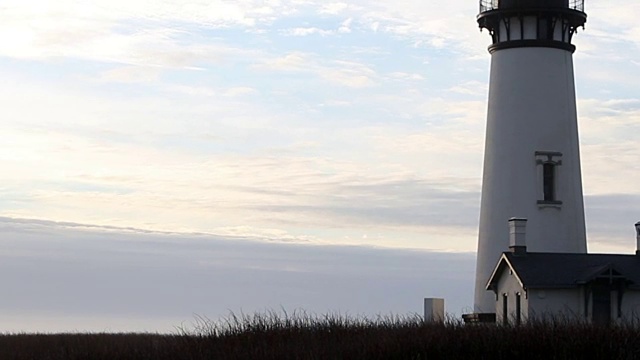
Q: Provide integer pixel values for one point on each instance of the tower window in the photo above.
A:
(548, 181)
(548, 163)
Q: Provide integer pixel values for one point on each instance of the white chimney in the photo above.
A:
(638, 238)
(518, 235)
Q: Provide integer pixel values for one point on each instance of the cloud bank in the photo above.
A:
(70, 277)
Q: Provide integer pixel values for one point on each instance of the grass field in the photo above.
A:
(300, 336)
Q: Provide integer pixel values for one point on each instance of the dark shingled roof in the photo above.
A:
(554, 270)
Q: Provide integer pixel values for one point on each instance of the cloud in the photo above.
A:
(240, 91)
(406, 76)
(339, 72)
(610, 222)
(258, 195)
(299, 31)
(607, 129)
(131, 74)
(201, 116)
(349, 74)
(293, 61)
(97, 279)
(345, 27)
(132, 33)
(333, 8)
(473, 88)
(72, 25)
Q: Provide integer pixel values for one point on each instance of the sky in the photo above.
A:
(166, 159)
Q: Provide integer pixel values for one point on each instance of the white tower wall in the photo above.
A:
(531, 120)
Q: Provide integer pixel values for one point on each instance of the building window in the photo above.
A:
(518, 309)
(505, 309)
(548, 163)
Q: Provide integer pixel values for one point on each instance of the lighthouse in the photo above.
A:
(532, 157)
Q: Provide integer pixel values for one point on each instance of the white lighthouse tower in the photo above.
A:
(532, 158)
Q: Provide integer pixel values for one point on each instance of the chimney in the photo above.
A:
(517, 235)
(638, 238)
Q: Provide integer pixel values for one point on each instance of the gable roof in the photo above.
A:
(555, 270)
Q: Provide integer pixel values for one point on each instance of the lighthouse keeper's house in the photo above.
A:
(596, 288)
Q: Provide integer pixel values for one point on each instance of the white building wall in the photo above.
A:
(509, 286)
(532, 107)
(630, 307)
(556, 304)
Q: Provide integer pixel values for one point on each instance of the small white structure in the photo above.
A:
(598, 288)
(434, 310)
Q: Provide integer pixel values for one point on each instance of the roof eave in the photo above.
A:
(496, 271)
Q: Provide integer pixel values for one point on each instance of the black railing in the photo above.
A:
(488, 5)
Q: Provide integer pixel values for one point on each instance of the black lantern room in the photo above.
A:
(532, 23)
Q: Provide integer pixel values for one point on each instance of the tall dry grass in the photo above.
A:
(300, 335)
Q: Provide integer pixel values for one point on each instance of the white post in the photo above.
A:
(434, 310)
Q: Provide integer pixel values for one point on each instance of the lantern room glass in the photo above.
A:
(488, 5)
